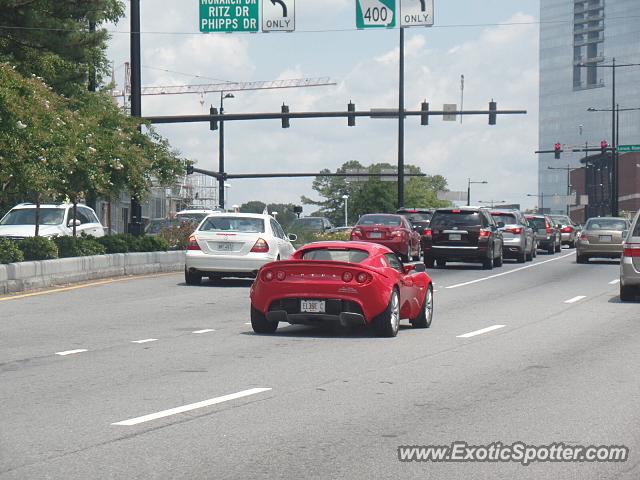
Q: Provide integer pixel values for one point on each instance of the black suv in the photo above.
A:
(465, 234)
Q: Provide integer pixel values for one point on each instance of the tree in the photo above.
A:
(285, 215)
(374, 194)
(58, 40)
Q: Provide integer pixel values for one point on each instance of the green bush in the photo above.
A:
(38, 248)
(81, 246)
(115, 243)
(152, 244)
(9, 251)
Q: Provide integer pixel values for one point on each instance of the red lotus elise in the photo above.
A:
(348, 283)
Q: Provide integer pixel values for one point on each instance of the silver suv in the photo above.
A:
(518, 239)
(630, 263)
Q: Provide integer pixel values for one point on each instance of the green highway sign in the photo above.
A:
(629, 148)
(375, 13)
(229, 15)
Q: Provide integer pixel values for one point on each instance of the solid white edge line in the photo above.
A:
(614, 282)
(510, 271)
(481, 331)
(206, 330)
(191, 406)
(146, 340)
(575, 299)
(71, 352)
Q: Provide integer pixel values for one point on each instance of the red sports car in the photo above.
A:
(347, 283)
(393, 231)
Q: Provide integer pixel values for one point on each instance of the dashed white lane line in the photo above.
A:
(575, 299)
(206, 330)
(146, 340)
(481, 331)
(248, 323)
(509, 272)
(614, 282)
(191, 406)
(71, 352)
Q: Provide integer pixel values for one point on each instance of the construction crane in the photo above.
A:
(203, 89)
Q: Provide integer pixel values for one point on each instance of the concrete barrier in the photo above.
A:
(25, 276)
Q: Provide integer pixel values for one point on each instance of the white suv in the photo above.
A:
(20, 221)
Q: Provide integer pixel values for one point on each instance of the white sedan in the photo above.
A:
(234, 245)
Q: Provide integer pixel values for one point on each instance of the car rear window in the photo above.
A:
(562, 219)
(233, 224)
(537, 222)
(388, 220)
(336, 255)
(308, 223)
(605, 224)
(506, 218)
(454, 219)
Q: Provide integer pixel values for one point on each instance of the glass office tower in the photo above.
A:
(578, 40)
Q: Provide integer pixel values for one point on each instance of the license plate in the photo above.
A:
(312, 306)
(455, 236)
(375, 235)
(605, 238)
(225, 247)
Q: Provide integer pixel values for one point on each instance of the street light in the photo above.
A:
(469, 190)
(541, 197)
(346, 201)
(223, 96)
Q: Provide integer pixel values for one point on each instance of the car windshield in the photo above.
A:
(233, 224)
(335, 255)
(537, 222)
(387, 220)
(308, 223)
(27, 216)
(418, 217)
(506, 218)
(606, 224)
(452, 219)
(191, 217)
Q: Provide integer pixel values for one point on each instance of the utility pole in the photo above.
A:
(401, 123)
(135, 226)
(221, 192)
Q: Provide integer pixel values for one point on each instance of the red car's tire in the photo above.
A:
(424, 318)
(260, 323)
(387, 323)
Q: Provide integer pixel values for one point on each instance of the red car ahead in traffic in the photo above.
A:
(345, 283)
(393, 231)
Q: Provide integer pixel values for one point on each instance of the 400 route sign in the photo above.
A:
(375, 13)
(229, 15)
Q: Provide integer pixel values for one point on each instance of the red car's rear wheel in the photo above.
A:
(387, 323)
(260, 323)
(423, 320)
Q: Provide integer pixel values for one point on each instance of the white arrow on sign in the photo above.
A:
(416, 13)
(278, 15)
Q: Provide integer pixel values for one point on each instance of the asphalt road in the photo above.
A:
(80, 399)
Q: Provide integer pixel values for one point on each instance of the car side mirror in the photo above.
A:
(292, 237)
(71, 223)
(419, 267)
(409, 268)
(500, 224)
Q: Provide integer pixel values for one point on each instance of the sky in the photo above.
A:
(493, 43)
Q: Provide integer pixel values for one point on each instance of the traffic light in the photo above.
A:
(213, 124)
(297, 209)
(424, 117)
(603, 146)
(351, 119)
(556, 150)
(493, 106)
(190, 169)
(285, 120)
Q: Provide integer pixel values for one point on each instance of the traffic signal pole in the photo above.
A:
(401, 123)
(135, 224)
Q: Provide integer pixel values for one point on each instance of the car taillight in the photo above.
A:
(631, 250)
(268, 275)
(583, 237)
(261, 246)
(427, 233)
(567, 229)
(485, 233)
(356, 233)
(548, 228)
(515, 230)
(280, 275)
(347, 276)
(363, 277)
(193, 244)
(397, 233)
